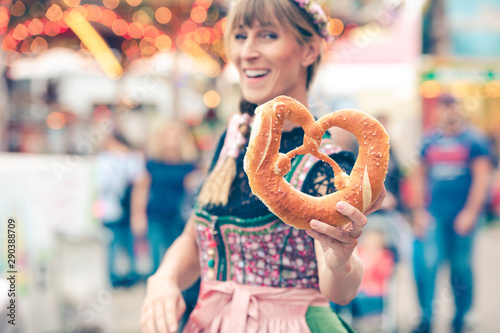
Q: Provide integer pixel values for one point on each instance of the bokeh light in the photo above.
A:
(151, 33)
(142, 17)
(25, 45)
(204, 34)
(134, 3)
(199, 14)
(93, 13)
(111, 4)
(20, 32)
(52, 29)
(108, 17)
(163, 43)
(54, 13)
(4, 17)
(430, 89)
(211, 99)
(81, 10)
(120, 27)
(35, 27)
(188, 26)
(8, 43)
(56, 120)
(39, 45)
(146, 47)
(336, 26)
(72, 3)
(459, 89)
(163, 15)
(203, 3)
(135, 30)
(18, 8)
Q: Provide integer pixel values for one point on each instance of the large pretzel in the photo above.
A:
(265, 166)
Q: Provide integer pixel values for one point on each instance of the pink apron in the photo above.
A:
(229, 307)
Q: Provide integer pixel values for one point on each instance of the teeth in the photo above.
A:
(256, 72)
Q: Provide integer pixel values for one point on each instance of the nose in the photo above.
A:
(249, 49)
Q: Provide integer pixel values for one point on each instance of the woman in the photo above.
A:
(259, 274)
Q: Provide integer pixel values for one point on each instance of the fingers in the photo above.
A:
(159, 318)
(172, 314)
(327, 234)
(162, 317)
(147, 320)
(347, 234)
(357, 218)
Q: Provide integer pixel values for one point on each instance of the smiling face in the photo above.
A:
(275, 48)
(270, 61)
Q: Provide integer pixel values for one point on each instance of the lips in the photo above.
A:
(256, 73)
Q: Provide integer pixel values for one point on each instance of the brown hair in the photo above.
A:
(274, 13)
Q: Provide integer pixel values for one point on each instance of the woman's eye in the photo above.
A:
(240, 36)
(270, 35)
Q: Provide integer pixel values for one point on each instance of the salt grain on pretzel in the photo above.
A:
(266, 167)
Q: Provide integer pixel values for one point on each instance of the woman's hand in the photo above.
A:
(338, 243)
(163, 306)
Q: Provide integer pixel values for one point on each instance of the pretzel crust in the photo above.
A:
(266, 167)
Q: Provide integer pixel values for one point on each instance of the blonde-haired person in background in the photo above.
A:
(259, 274)
(159, 195)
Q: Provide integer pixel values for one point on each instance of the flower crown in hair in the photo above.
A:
(314, 10)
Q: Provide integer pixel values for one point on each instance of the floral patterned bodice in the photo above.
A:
(252, 246)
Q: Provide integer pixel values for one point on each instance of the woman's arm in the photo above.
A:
(164, 305)
(339, 268)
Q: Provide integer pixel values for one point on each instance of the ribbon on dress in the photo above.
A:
(229, 307)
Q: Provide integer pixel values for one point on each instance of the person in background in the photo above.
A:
(451, 186)
(118, 167)
(159, 194)
(259, 274)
